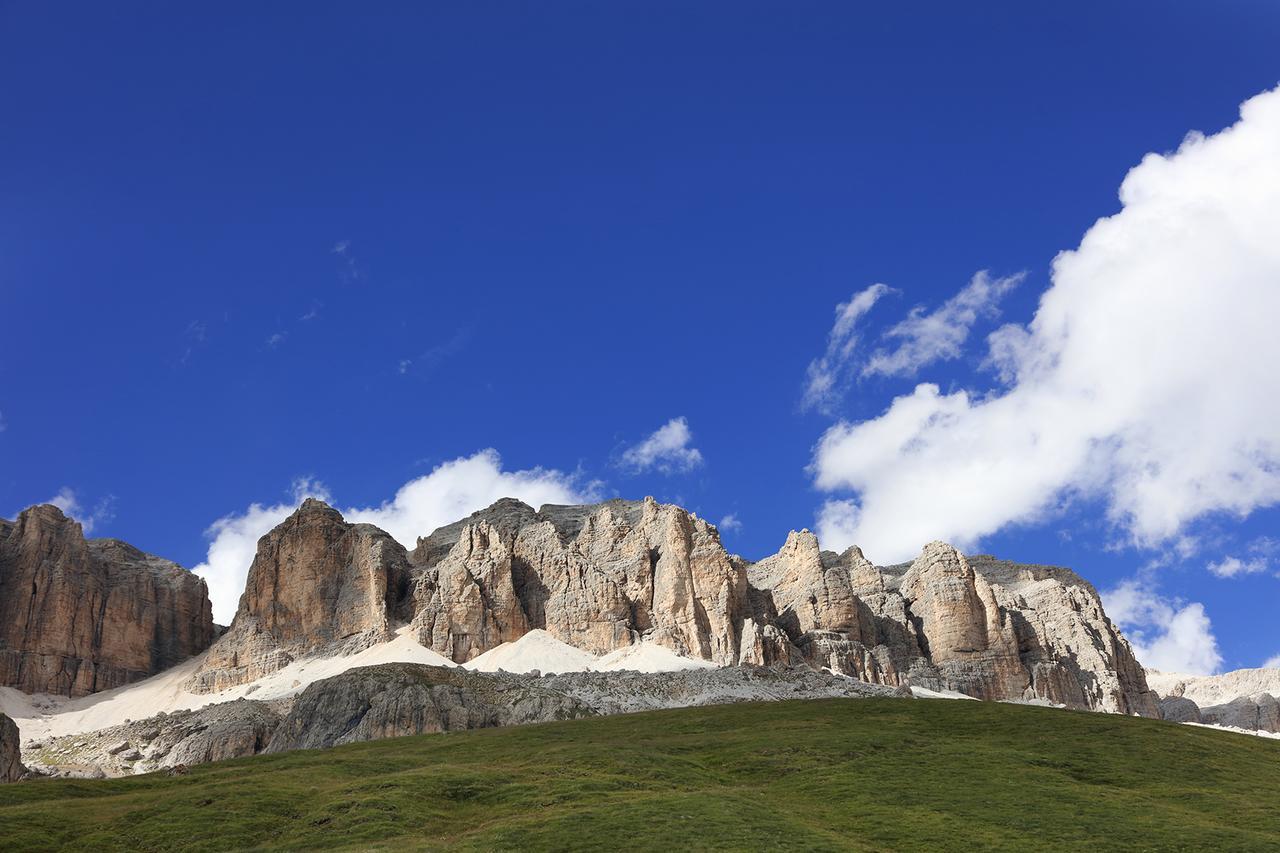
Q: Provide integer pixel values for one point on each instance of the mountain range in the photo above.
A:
(110, 661)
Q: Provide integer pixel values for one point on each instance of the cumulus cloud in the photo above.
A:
(1146, 377)
(827, 374)
(1272, 663)
(667, 450)
(1167, 635)
(730, 522)
(1230, 567)
(89, 517)
(451, 491)
(939, 335)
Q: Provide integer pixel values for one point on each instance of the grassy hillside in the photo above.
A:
(819, 775)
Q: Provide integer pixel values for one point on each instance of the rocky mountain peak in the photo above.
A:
(78, 616)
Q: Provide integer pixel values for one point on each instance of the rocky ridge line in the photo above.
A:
(605, 576)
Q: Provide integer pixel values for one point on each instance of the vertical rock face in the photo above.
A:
(598, 577)
(316, 584)
(962, 629)
(1072, 652)
(80, 616)
(467, 604)
(808, 595)
(979, 626)
(11, 769)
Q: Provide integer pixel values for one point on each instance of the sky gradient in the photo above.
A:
(326, 249)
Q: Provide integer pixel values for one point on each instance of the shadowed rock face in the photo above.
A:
(317, 584)
(11, 769)
(1251, 713)
(81, 616)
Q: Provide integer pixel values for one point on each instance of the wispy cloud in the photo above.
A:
(668, 450)
(351, 272)
(429, 359)
(68, 501)
(1230, 567)
(827, 374)
(194, 337)
(925, 337)
(277, 339)
(312, 313)
(1106, 397)
(730, 522)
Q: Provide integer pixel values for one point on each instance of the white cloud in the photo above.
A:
(458, 488)
(827, 375)
(940, 334)
(730, 522)
(3, 423)
(667, 450)
(1230, 567)
(451, 491)
(1147, 376)
(276, 339)
(1272, 663)
(69, 502)
(1165, 635)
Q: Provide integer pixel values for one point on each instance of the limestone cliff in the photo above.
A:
(604, 576)
(598, 577)
(80, 616)
(316, 584)
(979, 626)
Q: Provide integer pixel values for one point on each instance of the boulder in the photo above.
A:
(11, 769)
(1177, 709)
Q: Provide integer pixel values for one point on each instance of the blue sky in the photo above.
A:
(347, 246)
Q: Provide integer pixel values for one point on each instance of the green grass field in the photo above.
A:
(816, 775)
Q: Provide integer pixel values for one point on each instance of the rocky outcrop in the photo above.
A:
(405, 699)
(598, 577)
(979, 626)
(316, 585)
(393, 700)
(962, 630)
(11, 769)
(1219, 689)
(81, 616)
(213, 733)
(1259, 713)
(1071, 651)
(401, 699)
